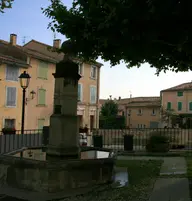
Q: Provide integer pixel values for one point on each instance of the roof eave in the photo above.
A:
(43, 59)
(151, 106)
(171, 90)
(22, 65)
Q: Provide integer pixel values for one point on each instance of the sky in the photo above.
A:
(27, 21)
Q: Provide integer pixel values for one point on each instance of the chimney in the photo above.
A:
(57, 43)
(119, 98)
(13, 39)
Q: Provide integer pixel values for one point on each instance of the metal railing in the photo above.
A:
(114, 138)
(11, 142)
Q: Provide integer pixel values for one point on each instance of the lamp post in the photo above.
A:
(24, 82)
(129, 119)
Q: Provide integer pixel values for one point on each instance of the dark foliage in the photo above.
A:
(153, 31)
(157, 143)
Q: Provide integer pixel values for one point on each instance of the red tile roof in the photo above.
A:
(136, 102)
(12, 54)
(35, 49)
(45, 51)
(184, 86)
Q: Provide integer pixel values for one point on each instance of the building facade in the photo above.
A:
(143, 112)
(39, 61)
(140, 112)
(13, 61)
(178, 99)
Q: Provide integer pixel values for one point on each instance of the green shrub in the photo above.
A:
(158, 143)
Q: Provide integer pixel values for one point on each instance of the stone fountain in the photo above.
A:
(63, 169)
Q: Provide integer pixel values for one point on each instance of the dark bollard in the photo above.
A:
(45, 137)
(128, 142)
(98, 141)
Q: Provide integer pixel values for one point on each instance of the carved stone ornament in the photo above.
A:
(68, 70)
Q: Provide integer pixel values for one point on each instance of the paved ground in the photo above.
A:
(168, 189)
(172, 189)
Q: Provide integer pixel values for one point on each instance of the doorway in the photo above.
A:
(80, 120)
(92, 118)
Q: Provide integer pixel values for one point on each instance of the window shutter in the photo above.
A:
(79, 92)
(91, 91)
(80, 68)
(93, 71)
(11, 96)
(42, 96)
(93, 94)
(190, 106)
(9, 123)
(43, 70)
(179, 93)
(168, 105)
(179, 106)
(12, 73)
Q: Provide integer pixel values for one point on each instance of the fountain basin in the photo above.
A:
(36, 174)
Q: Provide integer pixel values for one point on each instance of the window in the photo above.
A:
(12, 73)
(41, 123)
(9, 123)
(139, 112)
(80, 92)
(93, 72)
(179, 93)
(190, 106)
(80, 69)
(41, 97)
(153, 112)
(43, 70)
(169, 106)
(179, 106)
(11, 96)
(93, 94)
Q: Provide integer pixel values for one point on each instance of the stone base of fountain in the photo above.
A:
(36, 174)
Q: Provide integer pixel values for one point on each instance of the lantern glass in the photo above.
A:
(24, 80)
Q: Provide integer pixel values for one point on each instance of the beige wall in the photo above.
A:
(144, 119)
(33, 110)
(10, 112)
(86, 107)
(171, 96)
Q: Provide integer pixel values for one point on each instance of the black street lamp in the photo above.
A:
(24, 82)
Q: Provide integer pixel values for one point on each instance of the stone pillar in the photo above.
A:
(64, 139)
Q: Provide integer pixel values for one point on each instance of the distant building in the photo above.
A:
(179, 100)
(140, 112)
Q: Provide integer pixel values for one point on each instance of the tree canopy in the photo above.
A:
(5, 4)
(109, 118)
(154, 31)
(109, 109)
